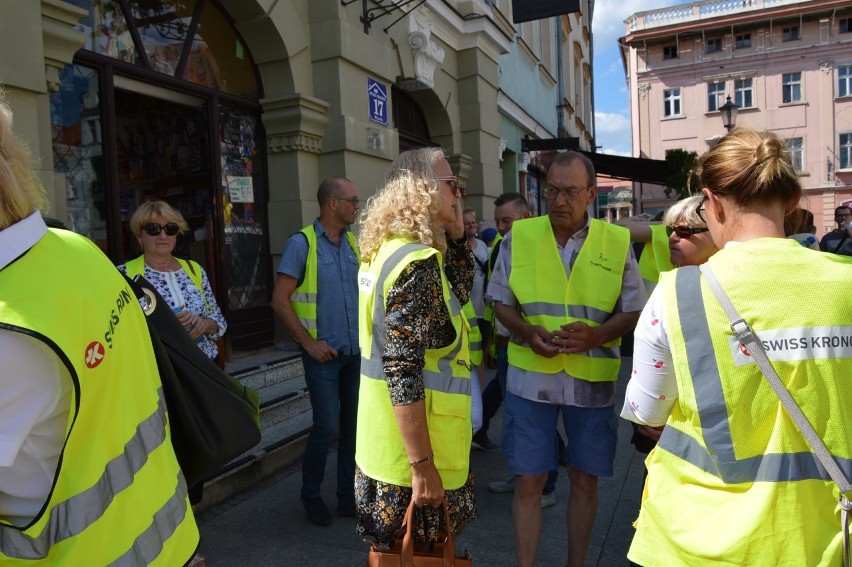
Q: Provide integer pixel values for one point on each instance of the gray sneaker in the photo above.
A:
(502, 486)
(548, 500)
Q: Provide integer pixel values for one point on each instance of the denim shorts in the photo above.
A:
(529, 437)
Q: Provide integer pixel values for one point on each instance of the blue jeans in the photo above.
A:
(333, 387)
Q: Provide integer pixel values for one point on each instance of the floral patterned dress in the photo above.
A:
(417, 319)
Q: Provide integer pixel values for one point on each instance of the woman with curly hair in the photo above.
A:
(414, 412)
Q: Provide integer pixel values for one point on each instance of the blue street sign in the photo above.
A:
(377, 96)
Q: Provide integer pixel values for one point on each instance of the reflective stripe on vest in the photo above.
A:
(549, 298)
(379, 447)
(718, 458)
(655, 258)
(125, 471)
(304, 297)
(488, 313)
(74, 515)
(475, 336)
(440, 381)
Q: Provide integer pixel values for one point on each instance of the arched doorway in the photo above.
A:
(163, 103)
(410, 121)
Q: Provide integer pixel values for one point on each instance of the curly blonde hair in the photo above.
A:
(406, 205)
(21, 192)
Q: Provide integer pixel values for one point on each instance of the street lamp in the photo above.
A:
(729, 114)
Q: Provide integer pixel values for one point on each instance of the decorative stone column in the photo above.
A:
(295, 127)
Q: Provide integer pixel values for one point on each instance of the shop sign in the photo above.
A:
(240, 189)
(377, 95)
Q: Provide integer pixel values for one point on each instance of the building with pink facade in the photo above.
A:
(787, 64)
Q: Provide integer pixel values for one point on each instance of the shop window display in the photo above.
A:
(241, 197)
(75, 118)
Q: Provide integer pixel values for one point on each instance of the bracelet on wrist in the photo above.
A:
(428, 457)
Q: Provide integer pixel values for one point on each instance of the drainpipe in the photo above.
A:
(560, 93)
(592, 82)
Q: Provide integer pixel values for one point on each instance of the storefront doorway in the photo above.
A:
(162, 103)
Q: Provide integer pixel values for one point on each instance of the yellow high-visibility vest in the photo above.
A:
(119, 497)
(732, 481)
(549, 298)
(379, 448)
(656, 257)
(304, 298)
(475, 336)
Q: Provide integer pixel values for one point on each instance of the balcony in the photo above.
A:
(697, 11)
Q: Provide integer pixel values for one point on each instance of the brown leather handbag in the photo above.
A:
(405, 554)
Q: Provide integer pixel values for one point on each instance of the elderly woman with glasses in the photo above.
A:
(732, 480)
(414, 405)
(182, 283)
(690, 243)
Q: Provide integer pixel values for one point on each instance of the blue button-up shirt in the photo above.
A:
(337, 286)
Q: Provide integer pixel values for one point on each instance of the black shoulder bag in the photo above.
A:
(213, 418)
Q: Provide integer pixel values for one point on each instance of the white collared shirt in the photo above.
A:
(34, 404)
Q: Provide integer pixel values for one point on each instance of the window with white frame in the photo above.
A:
(742, 41)
(669, 52)
(715, 96)
(845, 151)
(791, 87)
(844, 80)
(671, 102)
(714, 45)
(795, 146)
(744, 93)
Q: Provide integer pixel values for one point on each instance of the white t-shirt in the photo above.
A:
(34, 405)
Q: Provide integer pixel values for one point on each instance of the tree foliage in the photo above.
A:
(682, 165)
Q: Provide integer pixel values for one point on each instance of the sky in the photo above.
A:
(612, 105)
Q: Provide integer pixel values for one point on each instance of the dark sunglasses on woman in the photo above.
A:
(684, 231)
(153, 229)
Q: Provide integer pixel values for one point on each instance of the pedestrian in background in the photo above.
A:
(689, 244)
(839, 240)
(732, 480)
(488, 236)
(316, 297)
(88, 475)
(567, 287)
(414, 421)
(799, 225)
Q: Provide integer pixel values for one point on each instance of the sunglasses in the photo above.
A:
(354, 200)
(684, 231)
(153, 229)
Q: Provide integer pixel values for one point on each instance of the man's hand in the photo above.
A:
(426, 486)
(319, 350)
(650, 432)
(576, 337)
(541, 341)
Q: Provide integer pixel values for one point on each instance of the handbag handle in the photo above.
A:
(747, 337)
(406, 558)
